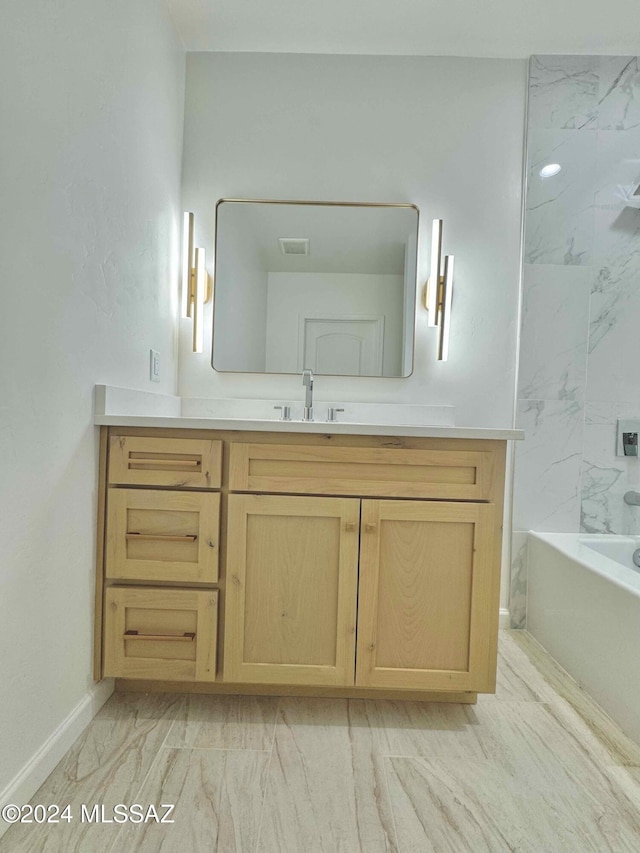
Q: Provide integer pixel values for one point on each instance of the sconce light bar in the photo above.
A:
(435, 278)
(196, 285)
(198, 302)
(444, 308)
(187, 283)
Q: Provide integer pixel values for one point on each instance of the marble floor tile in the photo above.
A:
(627, 780)
(327, 791)
(225, 722)
(106, 765)
(537, 767)
(430, 729)
(586, 713)
(517, 679)
(218, 801)
(522, 736)
(470, 805)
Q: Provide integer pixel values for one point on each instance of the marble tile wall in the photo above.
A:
(580, 337)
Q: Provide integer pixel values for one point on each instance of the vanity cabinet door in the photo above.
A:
(291, 587)
(428, 596)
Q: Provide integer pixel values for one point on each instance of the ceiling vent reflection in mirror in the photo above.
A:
(294, 245)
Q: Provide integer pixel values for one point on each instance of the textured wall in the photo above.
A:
(91, 100)
(579, 353)
(444, 133)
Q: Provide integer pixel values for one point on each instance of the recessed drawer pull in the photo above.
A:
(162, 537)
(187, 637)
(182, 463)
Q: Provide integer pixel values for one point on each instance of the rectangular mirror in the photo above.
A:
(319, 285)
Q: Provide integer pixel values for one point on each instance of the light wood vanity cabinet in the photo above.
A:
(326, 564)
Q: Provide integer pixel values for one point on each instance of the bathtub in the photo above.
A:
(583, 606)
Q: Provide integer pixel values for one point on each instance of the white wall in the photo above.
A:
(443, 133)
(91, 105)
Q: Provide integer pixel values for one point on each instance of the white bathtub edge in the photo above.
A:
(588, 621)
(569, 544)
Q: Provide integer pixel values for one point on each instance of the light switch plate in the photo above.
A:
(154, 365)
(626, 425)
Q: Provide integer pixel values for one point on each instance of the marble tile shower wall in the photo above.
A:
(580, 342)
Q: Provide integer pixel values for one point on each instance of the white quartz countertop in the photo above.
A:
(129, 408)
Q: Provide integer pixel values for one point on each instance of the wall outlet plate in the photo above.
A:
(626, 425)
(154, 365)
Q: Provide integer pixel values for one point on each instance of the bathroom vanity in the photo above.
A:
(308, 560)
(239, 554)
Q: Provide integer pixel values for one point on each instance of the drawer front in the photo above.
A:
(162, 536)
(181, 463)
(377, 472)
(164, 634)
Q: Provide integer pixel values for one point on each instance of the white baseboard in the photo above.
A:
(505, 618)
(27, 781)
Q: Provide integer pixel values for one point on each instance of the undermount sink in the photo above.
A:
(383, 414)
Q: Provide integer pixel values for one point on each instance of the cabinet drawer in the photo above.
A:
(176, 462)
(378, 472)
(162, 536)
(161, 633)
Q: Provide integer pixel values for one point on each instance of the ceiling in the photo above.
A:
(343, 239)
(489, 28)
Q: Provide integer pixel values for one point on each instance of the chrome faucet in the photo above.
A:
(307, 381)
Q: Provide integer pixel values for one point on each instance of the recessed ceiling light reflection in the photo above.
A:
(550, 170)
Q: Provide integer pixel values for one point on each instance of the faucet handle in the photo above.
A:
(285, 412)
(332, 413)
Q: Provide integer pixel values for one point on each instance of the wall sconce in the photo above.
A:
(434, 273)
(196, 284)
(439, 291)
(444, 308)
